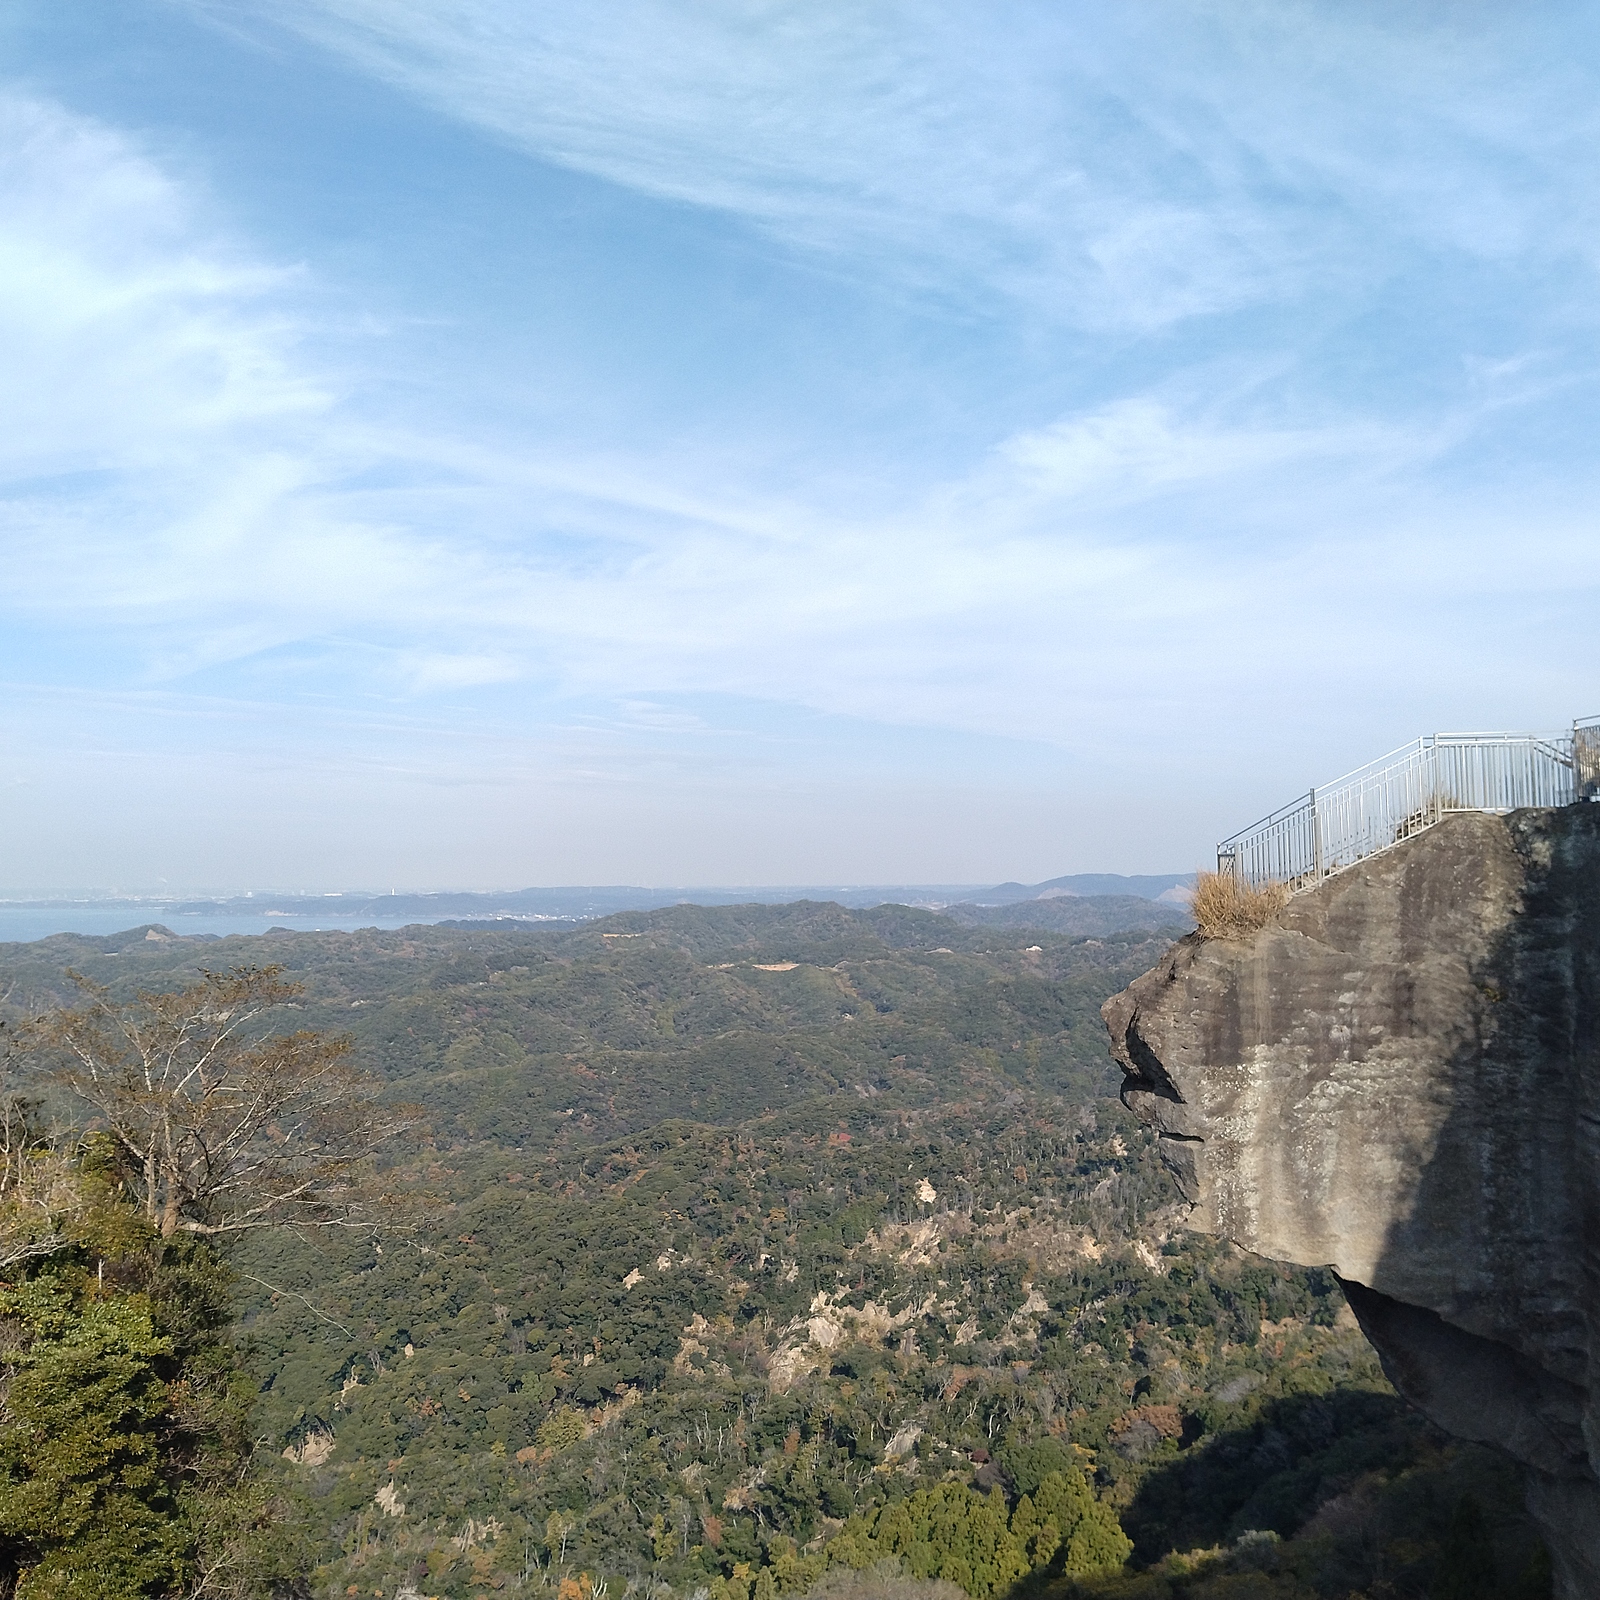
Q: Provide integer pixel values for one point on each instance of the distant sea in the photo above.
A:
(259, 912)
(22, 920)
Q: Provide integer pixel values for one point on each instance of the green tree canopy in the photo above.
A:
(954, 1533)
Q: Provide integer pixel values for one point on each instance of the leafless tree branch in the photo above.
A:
(218, 1125)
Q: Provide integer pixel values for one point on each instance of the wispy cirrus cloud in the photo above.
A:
(1145, 166)
(959, 158)
(133, 334)
(1198, 550)
(197, 485)
(191, 492)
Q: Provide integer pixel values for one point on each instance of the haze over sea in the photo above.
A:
(1082, 903)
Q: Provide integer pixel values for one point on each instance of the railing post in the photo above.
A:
(1316, 839)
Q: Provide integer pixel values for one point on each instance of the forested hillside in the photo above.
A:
(748, 1246)
(1087, 914)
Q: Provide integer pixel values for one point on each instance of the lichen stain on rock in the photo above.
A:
(1399, 1077)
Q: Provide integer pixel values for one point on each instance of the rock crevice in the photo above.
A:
(1399, 1077)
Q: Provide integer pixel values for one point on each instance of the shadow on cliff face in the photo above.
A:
(1400, 1076)
(1485, 1299)
(1339, 1494)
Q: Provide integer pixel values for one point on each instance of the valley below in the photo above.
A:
(748, 1251)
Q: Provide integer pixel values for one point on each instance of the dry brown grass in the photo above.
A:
(1226, 908)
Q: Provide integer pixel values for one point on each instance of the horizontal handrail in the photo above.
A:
(1407, 791)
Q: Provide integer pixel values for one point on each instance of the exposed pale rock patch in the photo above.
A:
(312, 1451)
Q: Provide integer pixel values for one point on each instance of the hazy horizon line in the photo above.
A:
(21, 896)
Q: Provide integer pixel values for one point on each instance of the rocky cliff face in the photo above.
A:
(1400, 1077)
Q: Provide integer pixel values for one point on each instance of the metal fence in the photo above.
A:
(1409, 790)
(1586, 758)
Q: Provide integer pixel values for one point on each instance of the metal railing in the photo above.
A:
(1407, 791)
(1586, 758)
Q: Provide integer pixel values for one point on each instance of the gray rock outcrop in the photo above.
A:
(1399, 1077)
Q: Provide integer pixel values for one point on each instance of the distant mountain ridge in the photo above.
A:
(584, 901)
(1170, 887)
(1088, 914)
(1083, 903)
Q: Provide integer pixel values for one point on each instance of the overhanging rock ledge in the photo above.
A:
(1399, 1077)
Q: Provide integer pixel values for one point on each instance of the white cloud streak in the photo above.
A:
(126, 330)
(1148, 579)
(1123, 167)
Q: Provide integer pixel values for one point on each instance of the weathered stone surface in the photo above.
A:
(1400, 1078)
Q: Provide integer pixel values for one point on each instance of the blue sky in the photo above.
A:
(484, 442)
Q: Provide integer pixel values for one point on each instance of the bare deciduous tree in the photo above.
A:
(38, 1182)
(219, 1125)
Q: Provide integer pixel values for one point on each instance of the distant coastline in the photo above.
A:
(26, 919)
